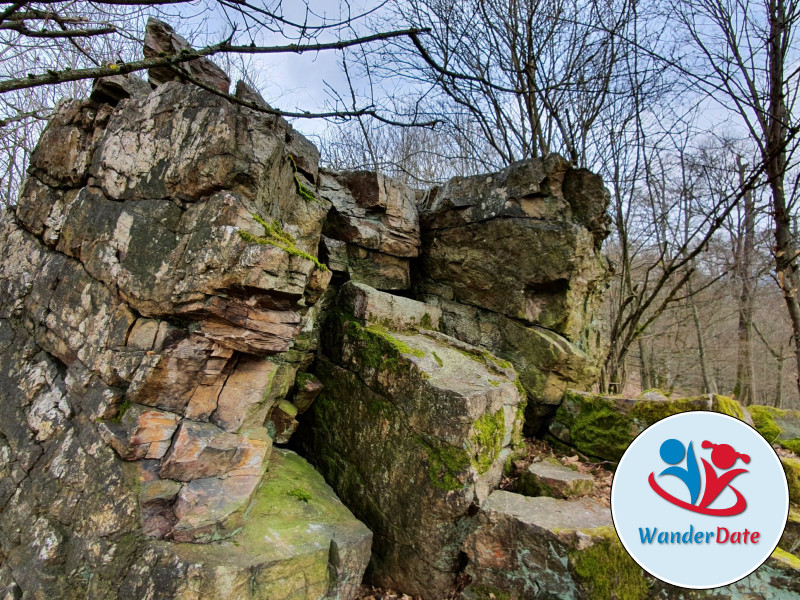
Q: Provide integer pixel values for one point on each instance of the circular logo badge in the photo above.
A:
(699, 500)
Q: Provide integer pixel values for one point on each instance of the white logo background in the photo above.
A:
(635, 505)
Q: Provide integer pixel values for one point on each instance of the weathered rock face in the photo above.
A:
(408, 419)
(513, 260)
(156, 300)
(373, 229)
(300, 542)
(160, 39)
(522, 545)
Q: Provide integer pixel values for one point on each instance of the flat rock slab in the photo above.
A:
(299, 542)
(555, 480)
(551, 514)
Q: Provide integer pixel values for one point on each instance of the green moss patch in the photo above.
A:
(727, 406)
(777, 426)
(596, 424)
(305, 193)
(299, 493)
(647, 412)
(274, 235)
(447, 465)
(121, 410)
(607, 571)
(487, 440)
(791, 466)
(789, 559)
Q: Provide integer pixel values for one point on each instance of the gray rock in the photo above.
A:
(407, 421)
(114, 88)
(299, 542)
(522, 546)
(485, 239)
(551, 478)
(393, 312)
(161, 40)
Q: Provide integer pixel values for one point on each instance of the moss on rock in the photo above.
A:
(791, 466)
(487, 440)
(607, 571)
(727, 406)
(274, 235)
(778, 426)
(603, 426)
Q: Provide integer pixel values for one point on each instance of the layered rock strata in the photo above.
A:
(156, 301)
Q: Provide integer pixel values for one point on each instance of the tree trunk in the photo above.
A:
(745, 390)
(709, 385)
(644, 367)
(775, 163)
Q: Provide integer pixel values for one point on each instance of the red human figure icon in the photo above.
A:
(724, 457)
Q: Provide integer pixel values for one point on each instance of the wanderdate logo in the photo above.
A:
(723, 457)
(699, 500)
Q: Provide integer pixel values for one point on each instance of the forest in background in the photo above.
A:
(688, 109)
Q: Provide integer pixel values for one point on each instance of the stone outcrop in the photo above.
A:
(513, 260)
(183, 292)
(156, 300)
(409, 418)
(300, 542)
(566, 549)
(522, 545)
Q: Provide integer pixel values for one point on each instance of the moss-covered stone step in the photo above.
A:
(299, 542)
(781, 427)
(602, 427)
(551, 478)
(521, 547)
(412, 430)
(524, 548)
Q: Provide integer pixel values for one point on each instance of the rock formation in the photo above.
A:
(184, 293)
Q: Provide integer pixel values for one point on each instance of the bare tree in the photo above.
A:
(742, 54)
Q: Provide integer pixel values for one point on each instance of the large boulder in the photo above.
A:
(547, 363)
(161, 40)
(524, 548)
(778, 426)
(412, 430)
(602, 427)
(522, 242)
(512, 259)
(300, 542)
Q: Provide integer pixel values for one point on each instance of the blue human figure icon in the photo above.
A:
(672, 452)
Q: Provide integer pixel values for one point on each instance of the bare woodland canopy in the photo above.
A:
(687, 108)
